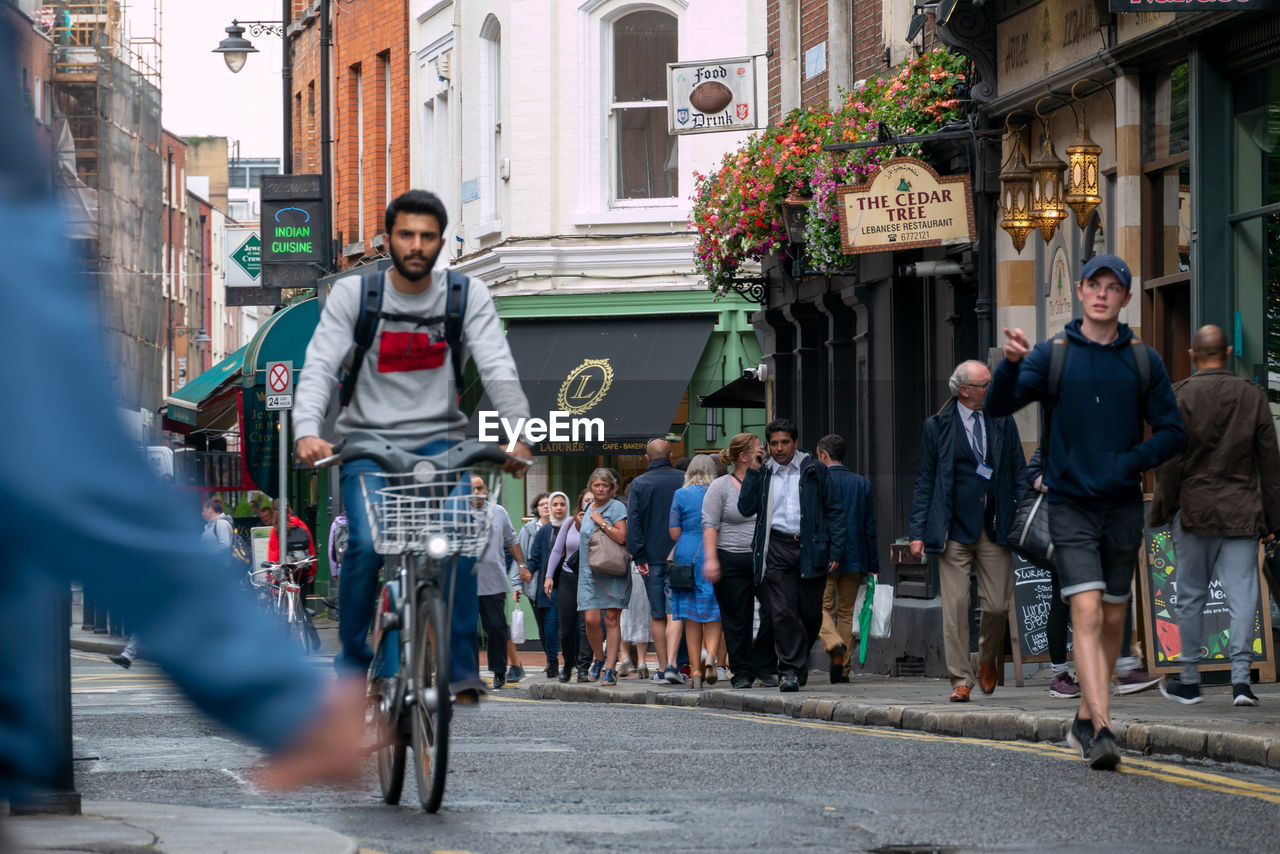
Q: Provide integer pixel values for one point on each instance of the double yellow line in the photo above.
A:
(1168, 773)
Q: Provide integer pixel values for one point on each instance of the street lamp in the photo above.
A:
(795, 210)
(235, 48)
(201, 336)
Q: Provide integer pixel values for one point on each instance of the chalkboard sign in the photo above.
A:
(1160, 592)
(1032, 596)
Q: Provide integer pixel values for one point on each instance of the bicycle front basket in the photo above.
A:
(407, 516)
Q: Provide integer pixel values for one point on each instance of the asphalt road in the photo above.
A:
(542, 776)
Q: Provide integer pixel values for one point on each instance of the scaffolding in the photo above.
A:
(107, 90)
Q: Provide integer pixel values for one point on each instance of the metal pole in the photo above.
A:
(286, 74)
(283, 521)
(326, 160)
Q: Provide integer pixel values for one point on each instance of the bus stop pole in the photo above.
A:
(283, 521)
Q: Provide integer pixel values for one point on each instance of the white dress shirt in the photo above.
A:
(784, 495)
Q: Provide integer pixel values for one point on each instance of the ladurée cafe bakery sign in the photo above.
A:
(905, 205)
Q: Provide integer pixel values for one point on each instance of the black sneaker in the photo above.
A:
(788, 684)
(513, 674)
(1173, 689)
(1080, 736)
(1104, 754)
(498, 682)
(1242, 695)
(740, 682)
(126, 662)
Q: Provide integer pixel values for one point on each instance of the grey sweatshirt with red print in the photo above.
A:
(405, 391)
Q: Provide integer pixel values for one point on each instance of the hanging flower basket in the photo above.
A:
(736, 206)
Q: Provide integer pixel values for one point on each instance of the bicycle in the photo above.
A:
(421, 519)
(280, 590)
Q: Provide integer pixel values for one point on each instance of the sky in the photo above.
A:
(201, 97)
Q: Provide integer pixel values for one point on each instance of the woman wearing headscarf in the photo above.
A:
(562, 578)
(522, 579)
(544, 605)
(697, 607)
(598, 591)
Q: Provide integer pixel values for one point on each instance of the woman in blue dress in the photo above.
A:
(597, 591)
(697, 608)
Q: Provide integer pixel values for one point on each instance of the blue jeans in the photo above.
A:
(358, 592)
(551, 632)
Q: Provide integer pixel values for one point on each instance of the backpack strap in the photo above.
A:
(455, 313)
(1142, 361)
(1053, 388)
(366, 326)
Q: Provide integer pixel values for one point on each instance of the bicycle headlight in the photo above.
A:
(437, 546)
(423, 471)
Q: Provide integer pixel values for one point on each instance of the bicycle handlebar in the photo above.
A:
(364, 445)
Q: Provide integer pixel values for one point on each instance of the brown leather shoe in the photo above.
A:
(960, 694)
(987, 678)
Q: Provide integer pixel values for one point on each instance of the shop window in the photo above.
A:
(1166, 217)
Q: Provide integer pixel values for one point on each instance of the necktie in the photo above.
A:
(975, 429)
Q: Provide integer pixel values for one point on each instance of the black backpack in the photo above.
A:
(371, 312)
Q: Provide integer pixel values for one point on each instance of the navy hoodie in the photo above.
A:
(1096, 452)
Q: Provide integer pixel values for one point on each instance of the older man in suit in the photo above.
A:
(966, 493)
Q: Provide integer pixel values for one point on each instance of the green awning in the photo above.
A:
(283, 338)
(185, 402)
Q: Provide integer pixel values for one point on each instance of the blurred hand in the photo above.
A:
(548, 586)
(711, 568)
(313, 448)
(1039, 484)
(832, 565)
(525, 575)
(917, 549)
(1269, 538)
(643, 569)
(333, 747)
(1015, 345)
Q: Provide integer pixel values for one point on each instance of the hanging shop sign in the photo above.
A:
(711, 95)
(905, 205)
(1058, 306)
(243, 263)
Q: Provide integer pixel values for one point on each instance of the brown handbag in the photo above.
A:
(605, 557)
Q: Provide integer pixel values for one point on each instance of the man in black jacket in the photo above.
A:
(649, 542)
(968, 479)
(800, 535)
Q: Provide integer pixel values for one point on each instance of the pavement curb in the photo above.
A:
(107, 826)
(989, 724)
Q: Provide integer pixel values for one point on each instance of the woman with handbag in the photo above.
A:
(728, 564)
(693, 599)
(604, 572)
(562, 578)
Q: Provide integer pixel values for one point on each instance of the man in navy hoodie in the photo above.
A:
(1095, 459)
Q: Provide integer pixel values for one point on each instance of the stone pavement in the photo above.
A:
(117, 827)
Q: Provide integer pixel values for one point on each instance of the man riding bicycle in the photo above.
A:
(406, 393)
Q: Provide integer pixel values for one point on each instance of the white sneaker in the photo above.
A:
(722, 673)
(658, 677)
(624, 667)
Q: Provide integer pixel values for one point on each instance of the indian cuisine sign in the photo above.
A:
(905, 205)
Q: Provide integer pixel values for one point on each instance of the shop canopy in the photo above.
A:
(631, 373)
(208, 402)
(742, 393)
(184, 404)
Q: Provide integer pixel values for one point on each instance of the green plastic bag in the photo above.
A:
(864, 618)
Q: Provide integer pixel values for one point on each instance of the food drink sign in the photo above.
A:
(712, 95)
(905, 205)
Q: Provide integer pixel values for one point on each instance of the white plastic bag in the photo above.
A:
(517, 625)
(882, 611)
(857, 608)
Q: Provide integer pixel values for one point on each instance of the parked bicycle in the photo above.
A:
(422, 519)
(280, 589)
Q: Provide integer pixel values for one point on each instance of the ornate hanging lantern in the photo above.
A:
(1048, 176)
(1015, 198)
(1082, 174)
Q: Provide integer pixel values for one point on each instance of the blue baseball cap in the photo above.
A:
(1108, 262)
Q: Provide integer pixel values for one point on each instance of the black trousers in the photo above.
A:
(736, 594)
(493, 616)
(573, 630)
(797, 605)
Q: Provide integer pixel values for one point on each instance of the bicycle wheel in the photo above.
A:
(296, 620)
(382, 698)
(432, 709)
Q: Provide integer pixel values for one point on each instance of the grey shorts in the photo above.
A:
(655, 585)
(1096, 548)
